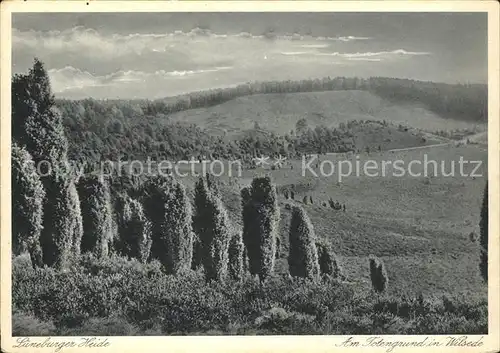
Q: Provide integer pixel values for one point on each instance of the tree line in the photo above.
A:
(93, 138)
(132, 129)
(455, 101)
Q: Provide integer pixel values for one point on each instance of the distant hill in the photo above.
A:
(279, 112)
(262, 117)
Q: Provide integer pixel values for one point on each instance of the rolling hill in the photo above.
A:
(279, 112)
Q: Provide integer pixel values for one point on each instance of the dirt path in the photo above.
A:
(419, 147)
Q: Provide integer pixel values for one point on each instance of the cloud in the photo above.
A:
(89, 42)
(70, 78)
(315, 46)
(359, 55)
(87, 62)
(399, 52)
(364, 59)
(295, 53)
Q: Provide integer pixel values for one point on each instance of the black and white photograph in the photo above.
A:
(250, 174)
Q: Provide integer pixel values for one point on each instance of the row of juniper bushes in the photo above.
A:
(57, 220)
(156, 220)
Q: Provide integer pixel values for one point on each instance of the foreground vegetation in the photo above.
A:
(115, 296)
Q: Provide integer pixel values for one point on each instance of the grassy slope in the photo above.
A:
(419, 226)
(280, 112)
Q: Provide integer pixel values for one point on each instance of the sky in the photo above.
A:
(154, 55)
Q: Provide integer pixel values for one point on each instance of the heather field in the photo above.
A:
(426, 246)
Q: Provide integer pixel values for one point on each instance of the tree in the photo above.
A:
(169, 208)
(178, 223)
(134, 229)
(37, 125)
(378, 274)
(301, 126)
(303, 255)
(27, 205)
(236, 250)
(95, 204)
(197, 252)
(36, 122)
(261, 216)
(329, 264)
(483, 238)
(211, 223)
(63, 226)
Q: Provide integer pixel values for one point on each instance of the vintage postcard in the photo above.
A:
(249, 176)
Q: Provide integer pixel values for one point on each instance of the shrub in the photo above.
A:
(236, 249)
(109, 326)
(27, 205)
(329, 264)
(63, 227)
(36, 123)
(483, 238)
(134, 229)
(278, 247)
(303, 255)
(28, 325)
(249, 246)
(178, 232)
(212, 225)
(378, 274)
(278, 320)
(169, 209)
(197, 252)
(155, 193)
(115, 295)
(261, 216)
(95, 203)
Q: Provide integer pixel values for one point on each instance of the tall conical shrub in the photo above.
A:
(303, 255)
(169, 209)
(134, 229)
(197, 252)
(483, 238)
(63, 224)
(214, 230)
(178, 241)
(278, 247)
(378, 274)
(155, 191)
(260, 213)
(27, 205)
(36, 123)
(95, 204)
(236, 249)
(329, 264)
